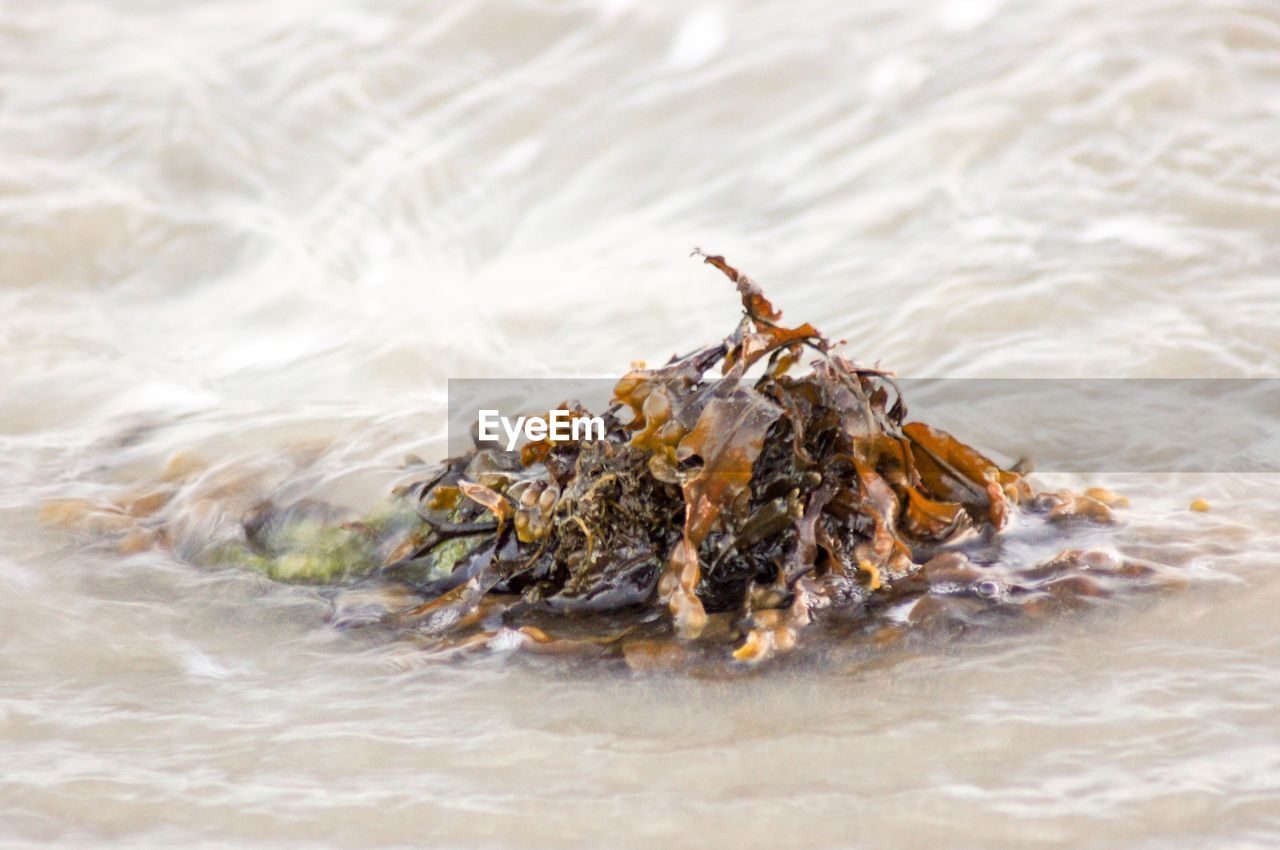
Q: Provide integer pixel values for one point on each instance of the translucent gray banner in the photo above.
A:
(1062, 425)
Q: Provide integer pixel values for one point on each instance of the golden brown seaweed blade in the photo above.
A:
(451, 609)
(678, 587)
(880, 503)
(728, 437)
(952, 470)
(768, 336)
(948, 453)
(758, 307)
(491, 499)
(930, 519)
(446, 610)
(768, 340)
(807, 494)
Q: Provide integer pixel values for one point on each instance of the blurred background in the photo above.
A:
(264, 235)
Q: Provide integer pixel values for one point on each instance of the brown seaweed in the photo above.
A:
(754, 501)
(737, 505)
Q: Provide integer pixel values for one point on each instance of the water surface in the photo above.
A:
(266, 233)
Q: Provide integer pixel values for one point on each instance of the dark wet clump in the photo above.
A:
(755, 496)
(736, 500)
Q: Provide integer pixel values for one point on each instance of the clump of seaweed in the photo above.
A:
(725, 485)
(737, 503)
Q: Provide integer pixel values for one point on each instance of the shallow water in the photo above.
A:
(267, 233)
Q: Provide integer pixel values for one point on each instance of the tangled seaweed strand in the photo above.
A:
(731, 508)
(767, 497)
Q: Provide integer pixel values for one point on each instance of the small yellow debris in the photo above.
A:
(1110, 498)
(1200, 506)
(444, 498)
(873, 573)
(536, 634)
(687, 612)
(773, 634)
(757, 647)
